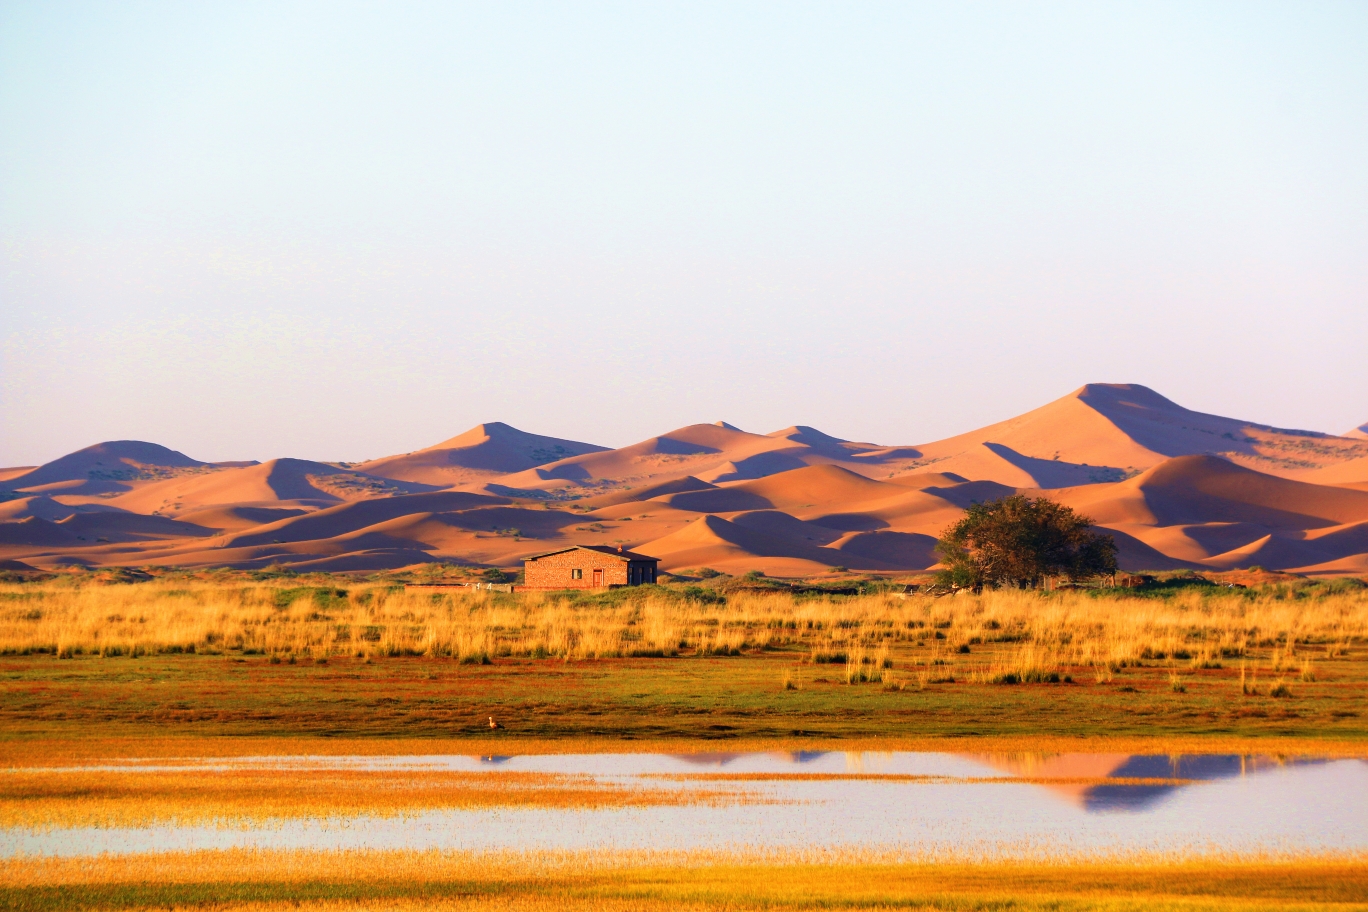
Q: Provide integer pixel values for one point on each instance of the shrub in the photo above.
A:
(1019, 540)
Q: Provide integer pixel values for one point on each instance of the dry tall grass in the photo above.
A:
(619, 880)
(1031, 635)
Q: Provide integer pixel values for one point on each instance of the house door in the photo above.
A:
(598, 578)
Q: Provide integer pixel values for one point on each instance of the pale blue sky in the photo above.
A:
(342, 230)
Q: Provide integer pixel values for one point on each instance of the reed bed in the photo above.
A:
(251, 795)
(1034, 635)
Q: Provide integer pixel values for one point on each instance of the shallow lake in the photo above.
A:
(968, 804)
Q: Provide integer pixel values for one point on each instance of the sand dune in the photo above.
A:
(43, 507)
(1360, 432)
(1107, 431)
(1208, 489)
(33, 532)
(1352, 471)
(717, 453)
(278, 483)
(348, 517)
(129, 527)
(484, 451)
(1176, 488)
(904, 550)
(926, 479)
(1192, 543)
(819, 486)
(779, 524)
(1354, 565)
(684, 451)
(1133, 554)
(715, 542)
(233, 518)
(1203, 510)
(1004, 465)
(647, 492)
(105, 467)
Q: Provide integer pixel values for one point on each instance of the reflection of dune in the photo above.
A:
(713, 758)
(1056, 766)
(800, 756)
(1095, 797)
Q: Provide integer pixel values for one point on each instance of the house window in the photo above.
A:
(577, 574)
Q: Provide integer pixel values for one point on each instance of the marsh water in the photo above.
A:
(967, 803)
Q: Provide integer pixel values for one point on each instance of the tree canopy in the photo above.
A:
(1019, 540)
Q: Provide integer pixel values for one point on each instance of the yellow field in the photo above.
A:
(1189, 629)
(253, 794)
(241, 879)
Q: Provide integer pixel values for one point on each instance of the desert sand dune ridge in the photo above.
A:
(278, 483)
(648, 492)
(486, 450)
(104, 467)
(716, 453)
(348, 517)
(1176, 488)
(717, 542)
(1107, 431)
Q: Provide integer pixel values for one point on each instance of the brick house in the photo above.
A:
(588, 567)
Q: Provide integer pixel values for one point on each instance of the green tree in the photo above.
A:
(1019, 540)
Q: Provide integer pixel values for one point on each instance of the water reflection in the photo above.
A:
(1101, 796)
(707, 759)
(814, 799)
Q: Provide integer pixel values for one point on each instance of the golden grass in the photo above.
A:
(1045, 631)
(254, 879)
(255, 794)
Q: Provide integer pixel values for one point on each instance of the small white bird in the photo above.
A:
(493, 724)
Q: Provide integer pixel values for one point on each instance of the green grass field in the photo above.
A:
(720, 699)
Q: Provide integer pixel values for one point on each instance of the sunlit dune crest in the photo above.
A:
(1177, 489)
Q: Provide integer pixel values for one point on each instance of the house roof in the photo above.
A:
(608, 550)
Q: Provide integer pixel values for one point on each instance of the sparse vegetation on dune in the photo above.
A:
(271, 880)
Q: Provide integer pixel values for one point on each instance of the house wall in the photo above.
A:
(553, 571)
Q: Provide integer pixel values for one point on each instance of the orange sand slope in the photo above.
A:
(104, 468)
(1106, 432)
(1176, 488)
(483, 452)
